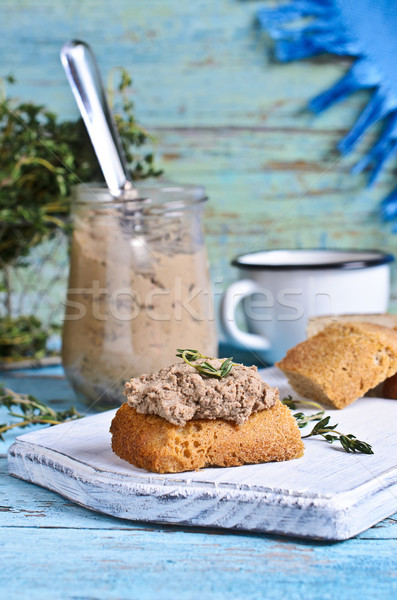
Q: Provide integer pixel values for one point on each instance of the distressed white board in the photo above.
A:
(327, 494)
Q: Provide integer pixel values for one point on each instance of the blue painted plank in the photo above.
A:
(175, 564)
(226, 116)
(185, 59)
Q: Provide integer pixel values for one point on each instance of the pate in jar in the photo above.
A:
(139, 287)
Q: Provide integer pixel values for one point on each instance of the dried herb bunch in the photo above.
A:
(42, 157)
(22, 337)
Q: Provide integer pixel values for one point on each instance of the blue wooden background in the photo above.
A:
(229, 118)
(226, 116)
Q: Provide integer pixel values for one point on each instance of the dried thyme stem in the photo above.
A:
(348, 441)
(205, 368)
(33, 411)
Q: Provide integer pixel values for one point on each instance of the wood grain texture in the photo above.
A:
(28, 505)
(57, 549)
(168, 564)
(327, 494)
(229, 118)
(226, 116)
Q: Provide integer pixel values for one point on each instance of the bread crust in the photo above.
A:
(342, 362)
(152, 443)
(316, 324)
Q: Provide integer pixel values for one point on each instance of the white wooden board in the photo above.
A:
(327, 494)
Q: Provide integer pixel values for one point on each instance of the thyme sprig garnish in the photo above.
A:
(302, 419)
(205, 368)
(349, 442)
(31, 411)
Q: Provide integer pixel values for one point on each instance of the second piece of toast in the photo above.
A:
(342, 362)
(316, 324)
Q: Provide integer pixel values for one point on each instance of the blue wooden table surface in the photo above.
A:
(53, 549)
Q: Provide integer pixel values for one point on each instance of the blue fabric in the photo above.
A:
(365, 30)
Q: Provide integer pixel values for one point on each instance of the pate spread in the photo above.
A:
(179, 393)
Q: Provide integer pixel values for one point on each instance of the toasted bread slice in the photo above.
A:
(152, 443)
(342, 362)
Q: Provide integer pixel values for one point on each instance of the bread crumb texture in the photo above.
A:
(342, 362)
(152, 443)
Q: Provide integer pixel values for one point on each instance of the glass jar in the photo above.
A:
(138, 287)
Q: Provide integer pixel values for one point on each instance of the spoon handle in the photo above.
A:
(85, 80)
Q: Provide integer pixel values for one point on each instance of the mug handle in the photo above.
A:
(234, 294)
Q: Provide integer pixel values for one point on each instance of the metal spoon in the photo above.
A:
(85, 80)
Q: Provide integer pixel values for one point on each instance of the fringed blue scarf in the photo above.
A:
(366, 30)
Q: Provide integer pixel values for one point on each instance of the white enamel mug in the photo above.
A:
(280, 289)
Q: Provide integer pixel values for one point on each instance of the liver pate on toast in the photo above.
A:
(179, 420)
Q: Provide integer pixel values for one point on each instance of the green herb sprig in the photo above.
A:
(31, 411)
(23, 337)
(205, 368)
(349, 442)
(42, 157)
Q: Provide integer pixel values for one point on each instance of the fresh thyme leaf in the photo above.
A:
(205, 368)
(31, 411)
(320, 425)
(209, 367)
(288, 401)
(302, 419)
(226, 366)
(189, 354)
(349, 442)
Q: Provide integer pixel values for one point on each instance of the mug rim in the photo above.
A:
(359, 259)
